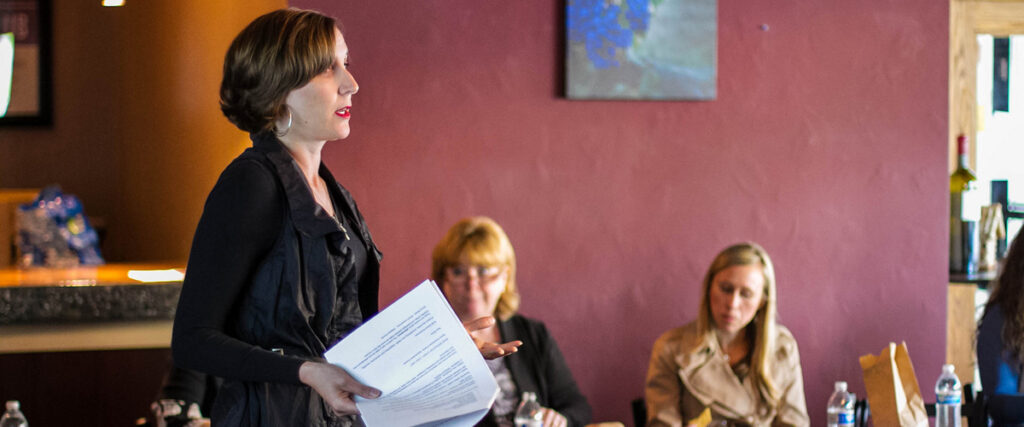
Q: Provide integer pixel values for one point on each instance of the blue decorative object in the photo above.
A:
(638, 13)
(53, 231)
(596, 24)
(642, 49)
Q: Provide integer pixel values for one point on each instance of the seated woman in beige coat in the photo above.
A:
(734, 359)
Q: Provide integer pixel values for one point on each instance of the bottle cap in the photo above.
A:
(948, 368)
(840, 385)
(12, 405)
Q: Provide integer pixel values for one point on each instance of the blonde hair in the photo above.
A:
(479, 240)
(747, 253)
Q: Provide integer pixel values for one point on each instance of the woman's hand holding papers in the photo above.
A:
(335, 386)
(490, 350)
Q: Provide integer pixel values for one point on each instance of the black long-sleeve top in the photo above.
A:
(266, 272)
(241, 220)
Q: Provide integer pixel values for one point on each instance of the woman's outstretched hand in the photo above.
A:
(490, 350)
(554, 419)
(335, 386)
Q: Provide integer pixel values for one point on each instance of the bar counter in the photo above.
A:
(87, 308)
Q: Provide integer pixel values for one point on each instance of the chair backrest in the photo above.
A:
(975, 408)
(861, 413)
(639, 412)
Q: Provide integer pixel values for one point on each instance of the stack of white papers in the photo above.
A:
(418, 354)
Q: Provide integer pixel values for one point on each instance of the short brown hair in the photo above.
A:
(479, 240)
(275, 54)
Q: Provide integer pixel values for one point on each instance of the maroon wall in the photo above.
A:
(827, 144)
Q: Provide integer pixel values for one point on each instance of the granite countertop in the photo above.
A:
(87, 294)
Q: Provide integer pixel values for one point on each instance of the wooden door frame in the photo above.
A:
(967, 19)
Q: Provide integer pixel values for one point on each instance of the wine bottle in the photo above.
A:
(963, 177)
(960, 182)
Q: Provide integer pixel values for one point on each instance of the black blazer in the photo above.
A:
(539, 367)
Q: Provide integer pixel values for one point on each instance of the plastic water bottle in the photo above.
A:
(529, 412)
(13, 417)
(947, 399)
(840, 406)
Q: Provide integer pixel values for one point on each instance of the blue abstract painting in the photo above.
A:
(642, 49)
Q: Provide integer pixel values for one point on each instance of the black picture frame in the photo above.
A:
(30, 21)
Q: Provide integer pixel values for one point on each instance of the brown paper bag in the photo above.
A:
(893, 394)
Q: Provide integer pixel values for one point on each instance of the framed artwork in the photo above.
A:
(25, 71)
(642, 49)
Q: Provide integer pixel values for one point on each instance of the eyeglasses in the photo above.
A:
(484, 274)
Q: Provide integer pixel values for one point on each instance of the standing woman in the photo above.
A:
(734, 359)
(282, 265)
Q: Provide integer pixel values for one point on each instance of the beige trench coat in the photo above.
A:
(687, 375)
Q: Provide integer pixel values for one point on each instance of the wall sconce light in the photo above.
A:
(110, 3)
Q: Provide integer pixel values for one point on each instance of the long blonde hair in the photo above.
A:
(747, 253)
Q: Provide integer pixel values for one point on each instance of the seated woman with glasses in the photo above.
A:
(475, 266)
(734, 359)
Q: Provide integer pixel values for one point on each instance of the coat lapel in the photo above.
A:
(307, 215)
(708, 377)
(522, 375)
(312, 222)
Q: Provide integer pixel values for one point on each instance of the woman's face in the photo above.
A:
(321, 109)
(474, 290)
(735, 295)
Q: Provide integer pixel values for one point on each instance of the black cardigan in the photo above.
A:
(260, 278)
(539, 367)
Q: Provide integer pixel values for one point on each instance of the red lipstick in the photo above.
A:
(344, 112)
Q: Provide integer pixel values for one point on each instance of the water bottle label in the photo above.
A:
(845, 419)
(948, 399)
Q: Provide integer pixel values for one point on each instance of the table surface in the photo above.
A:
(103, 275)
(85, 308)
(981, 278)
